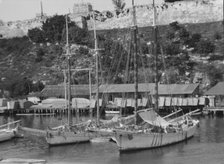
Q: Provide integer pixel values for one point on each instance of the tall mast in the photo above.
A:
(69, 75)
(135, 30)
(156, 56)
(41, 13)
(97, 72)
(65, 86)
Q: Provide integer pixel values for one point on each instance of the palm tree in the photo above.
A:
(119, 5)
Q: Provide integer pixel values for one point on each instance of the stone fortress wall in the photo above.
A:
(185, 11)
(188, 11)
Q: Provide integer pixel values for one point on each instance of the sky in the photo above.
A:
(11, 10)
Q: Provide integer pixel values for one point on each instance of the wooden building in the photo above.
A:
(58, 91)
(218, 92)
(148, 89)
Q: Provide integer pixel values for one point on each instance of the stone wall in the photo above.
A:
(197, 11)
(186, 11)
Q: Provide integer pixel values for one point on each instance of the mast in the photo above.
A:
(135, 30)
(69, 75)
(65, 86)
(156, 56)
(41, 13)
(97, 72)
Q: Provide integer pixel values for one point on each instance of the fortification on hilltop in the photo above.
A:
(80, 12)
(186, 11)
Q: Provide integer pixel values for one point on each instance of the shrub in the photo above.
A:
(205, 47)
(40, 54)
(36, 35)
(53, 28)
(194, 39)
(217, 36)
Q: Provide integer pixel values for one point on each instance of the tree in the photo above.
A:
(36, 35)
(175, 55)
(119, 5)
(215, 73)
(20, 87)
(76, 34)
(40, 54)
(38, 86)
(205, 47)
(53, 28)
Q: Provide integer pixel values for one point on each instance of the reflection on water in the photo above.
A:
(206, 147)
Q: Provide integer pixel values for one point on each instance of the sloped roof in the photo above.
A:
(59, 90)
(218, 89)
(164, 89)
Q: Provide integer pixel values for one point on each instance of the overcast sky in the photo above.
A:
(11, 10)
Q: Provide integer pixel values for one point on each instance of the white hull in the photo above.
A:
(133, 141)
(7, 134)
(100, 139)
(111, 112)
(62, 138)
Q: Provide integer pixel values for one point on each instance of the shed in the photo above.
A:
(180, 90)
(59, 91)
(218, 92)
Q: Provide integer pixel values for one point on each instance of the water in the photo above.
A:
(206, 147)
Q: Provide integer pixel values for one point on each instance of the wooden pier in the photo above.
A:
(46, 111)
(213, 110)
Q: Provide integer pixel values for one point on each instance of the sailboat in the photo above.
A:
(68, 133)
(154, 131)
(7, 132)
(99, 128)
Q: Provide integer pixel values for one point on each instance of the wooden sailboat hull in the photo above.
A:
(111, 112)
(134, 141)
(63, 138)
(7, 134)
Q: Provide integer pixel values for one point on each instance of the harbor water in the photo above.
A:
(206, 147)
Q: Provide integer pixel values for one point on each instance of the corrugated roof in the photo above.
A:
(218, 89)
(59, 91)
(149, 87)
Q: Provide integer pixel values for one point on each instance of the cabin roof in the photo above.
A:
(218, 89)
(59, 90)
(164, 89)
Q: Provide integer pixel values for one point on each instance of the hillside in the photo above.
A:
(21, 59)
(45, 62)
(190, 49)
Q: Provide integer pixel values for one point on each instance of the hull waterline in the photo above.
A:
(56, 139)
(7, 134)
(128, 141)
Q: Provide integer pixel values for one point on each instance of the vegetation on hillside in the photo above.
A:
(119, 5)
(29, 61)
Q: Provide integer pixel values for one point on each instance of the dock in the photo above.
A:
(213, 110)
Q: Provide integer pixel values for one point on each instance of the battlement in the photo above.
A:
(82, 9)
